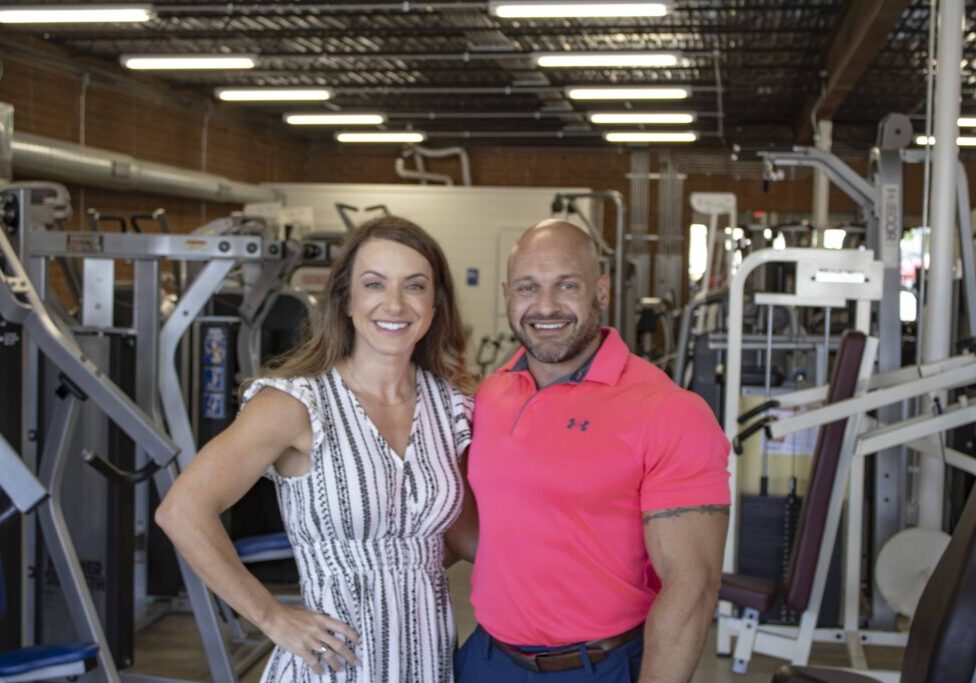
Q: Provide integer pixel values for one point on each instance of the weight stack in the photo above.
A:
(767, 525)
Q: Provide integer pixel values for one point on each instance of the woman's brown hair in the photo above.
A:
(330, 337)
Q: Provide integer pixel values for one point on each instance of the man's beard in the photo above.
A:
(559, 351)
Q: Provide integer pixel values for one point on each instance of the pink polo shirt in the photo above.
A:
(561, 476)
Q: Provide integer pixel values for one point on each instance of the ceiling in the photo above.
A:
(757, 68)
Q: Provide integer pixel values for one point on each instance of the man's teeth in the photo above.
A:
(548, 326)
(393, 327)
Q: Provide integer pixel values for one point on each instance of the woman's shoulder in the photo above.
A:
(443, 387)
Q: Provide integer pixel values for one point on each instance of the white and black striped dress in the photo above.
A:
(367, 529)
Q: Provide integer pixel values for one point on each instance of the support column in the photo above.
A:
(945, 156)
(821, 185)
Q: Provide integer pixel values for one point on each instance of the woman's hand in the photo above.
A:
(312, 636)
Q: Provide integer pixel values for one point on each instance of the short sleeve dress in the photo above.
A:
(367, 529)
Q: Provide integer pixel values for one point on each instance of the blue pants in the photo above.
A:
(478, 661)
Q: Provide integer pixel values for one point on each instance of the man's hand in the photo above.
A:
(685, 546)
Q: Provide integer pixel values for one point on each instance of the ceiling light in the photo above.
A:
(334, 119)
(152, 62)
(606, 59)
(75, 14)
(963, 141)
(967, 121)
(625, 93)
(640, 117)
(402, 136)
(508, 9)
(273, 94)
(621, 136)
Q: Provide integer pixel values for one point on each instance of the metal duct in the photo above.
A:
(51, 159)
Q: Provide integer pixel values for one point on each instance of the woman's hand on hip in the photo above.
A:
(313, 636)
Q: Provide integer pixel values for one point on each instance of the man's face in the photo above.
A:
(554, 299)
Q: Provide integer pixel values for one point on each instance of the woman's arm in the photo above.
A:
(273, 426)
(462, 538)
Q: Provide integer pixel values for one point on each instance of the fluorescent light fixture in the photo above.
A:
(273, 94)
(75, 14)
(628, 93)
(640, 117)
(622, 136)
(967, 121)
(401, 136)
(335, 119)
(637, 60)
(509, 9)
(164, 62)
(840, 276)
(962, 141)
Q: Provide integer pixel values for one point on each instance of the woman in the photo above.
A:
(361, 429)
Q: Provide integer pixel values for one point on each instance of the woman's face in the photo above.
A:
(391, 298)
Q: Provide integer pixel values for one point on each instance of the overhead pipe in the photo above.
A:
(444, 153)
(402, 171)
(48, 158)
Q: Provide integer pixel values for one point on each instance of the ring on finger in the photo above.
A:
(323, 650)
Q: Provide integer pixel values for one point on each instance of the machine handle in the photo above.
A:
(158, 216)
(758, 425)
(110, 471)
(761, 408)
(95, 220)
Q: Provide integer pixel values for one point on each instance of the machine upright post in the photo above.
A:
(938, 328)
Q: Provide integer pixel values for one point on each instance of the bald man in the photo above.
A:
(601, 487)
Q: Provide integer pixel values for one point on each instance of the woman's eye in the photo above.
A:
(372, 285)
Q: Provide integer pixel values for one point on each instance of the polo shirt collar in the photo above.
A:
(604, 366)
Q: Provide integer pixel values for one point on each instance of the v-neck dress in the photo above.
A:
(367, 528)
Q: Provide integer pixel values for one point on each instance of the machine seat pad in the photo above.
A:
(815, 674)
(24, 660)
(749, 591)
(263, 545)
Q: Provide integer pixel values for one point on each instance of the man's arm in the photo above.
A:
(685, 546)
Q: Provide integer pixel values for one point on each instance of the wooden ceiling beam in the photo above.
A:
(858, 36)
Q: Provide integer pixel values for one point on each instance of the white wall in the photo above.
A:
(475, 226)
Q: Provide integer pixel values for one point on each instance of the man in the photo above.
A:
(601, 488)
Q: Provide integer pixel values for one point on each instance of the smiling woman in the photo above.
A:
(362, 430)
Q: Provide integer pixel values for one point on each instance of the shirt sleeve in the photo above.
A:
(461, 407)
(686, 456)
(300, 390)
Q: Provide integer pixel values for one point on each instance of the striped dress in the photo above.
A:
(367, 529)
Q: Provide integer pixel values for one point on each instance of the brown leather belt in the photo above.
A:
(567, 658)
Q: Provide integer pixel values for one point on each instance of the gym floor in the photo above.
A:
(171, 647)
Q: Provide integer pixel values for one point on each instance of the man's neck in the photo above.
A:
(545, 374)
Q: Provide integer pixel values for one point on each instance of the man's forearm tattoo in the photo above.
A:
(677, 512)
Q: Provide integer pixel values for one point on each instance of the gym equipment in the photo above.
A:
(44, 662)
(78, 380)
(940, 641)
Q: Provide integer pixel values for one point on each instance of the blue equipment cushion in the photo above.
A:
(275, 544)
(39, 656)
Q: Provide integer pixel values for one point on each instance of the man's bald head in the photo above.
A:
(554, 235)
(555, 296)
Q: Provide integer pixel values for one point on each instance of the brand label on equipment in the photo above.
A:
(84, 243)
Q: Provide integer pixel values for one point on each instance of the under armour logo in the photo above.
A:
(582, 426)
